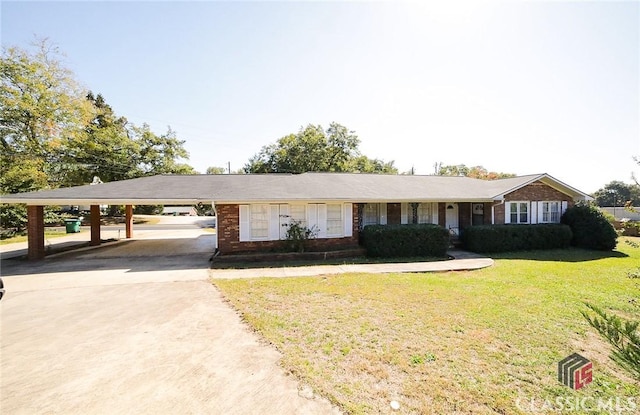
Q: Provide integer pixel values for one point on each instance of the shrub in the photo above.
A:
(505, 238)
(591, 229)
(405, 240)
(298, 235)
(630, 228)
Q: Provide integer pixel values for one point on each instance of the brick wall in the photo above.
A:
(535, 192)
(228, 228)
(442, 214)
(464, 215)
(35, 232)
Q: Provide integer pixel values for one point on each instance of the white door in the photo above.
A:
(451, 218)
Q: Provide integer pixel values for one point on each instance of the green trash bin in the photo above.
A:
(72, 225)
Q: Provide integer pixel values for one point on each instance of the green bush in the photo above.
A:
(423, 240)
(590, 227)
(506, 238)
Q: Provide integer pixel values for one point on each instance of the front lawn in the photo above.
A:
(48, 234)
(485, 341)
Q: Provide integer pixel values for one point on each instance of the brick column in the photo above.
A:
(35, 232)
(129, 221)
(95, 225)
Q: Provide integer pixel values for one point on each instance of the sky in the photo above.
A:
(515, 86)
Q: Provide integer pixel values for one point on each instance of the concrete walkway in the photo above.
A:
(462, 261)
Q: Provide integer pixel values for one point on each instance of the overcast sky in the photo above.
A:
(515, 86)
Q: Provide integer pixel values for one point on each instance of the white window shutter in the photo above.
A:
(322, 220)
(507, 212)
(563, 207)
(312, 216)
(245, 226)
(348, 219)
(403, 213)
(274, 222)
(383, 213)
(434, 213)
(536, 212)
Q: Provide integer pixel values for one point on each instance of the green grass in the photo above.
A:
(455, 342)
(48, 234)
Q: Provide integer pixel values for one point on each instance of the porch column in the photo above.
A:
(35, 232)
(95, 225)
(129, 221)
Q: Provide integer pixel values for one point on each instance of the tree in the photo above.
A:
(316, 150)
(159, 154)
(216, 170)
(476, 172)
(41, 102)
(41, 106)
(617, 193)
(104, 150)
(590, 228)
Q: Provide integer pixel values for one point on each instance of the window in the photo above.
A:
(424, 213)
(298, 213)
(370, 215)
(551, 212)
(259, 221)
(519, 212)
(335, 225)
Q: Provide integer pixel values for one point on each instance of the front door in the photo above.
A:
(451, 218)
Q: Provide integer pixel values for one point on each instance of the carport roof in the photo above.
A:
(247, 188)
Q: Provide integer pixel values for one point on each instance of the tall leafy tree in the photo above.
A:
(42, 106)
(314, 149)
(105, 148)
(476, 172)
(216, 170)
(617, 193)
(160, 154)
(53, 133)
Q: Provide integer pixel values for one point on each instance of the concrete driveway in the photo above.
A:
(101, 332)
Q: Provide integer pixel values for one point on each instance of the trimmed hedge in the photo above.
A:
(590, 227)
(506, 238)
(405, 240)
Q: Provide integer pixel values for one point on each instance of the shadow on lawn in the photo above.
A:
(561, 255)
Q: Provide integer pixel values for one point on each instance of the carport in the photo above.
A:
(154, 190)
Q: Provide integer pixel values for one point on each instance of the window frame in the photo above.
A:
(377, 214)
(336, 223)
(253, 221)
(518, 212)
(428, 216)
(549, 212)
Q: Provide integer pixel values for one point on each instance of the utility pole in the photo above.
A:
(229, 167)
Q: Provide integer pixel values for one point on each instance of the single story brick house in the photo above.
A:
(254, 210)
